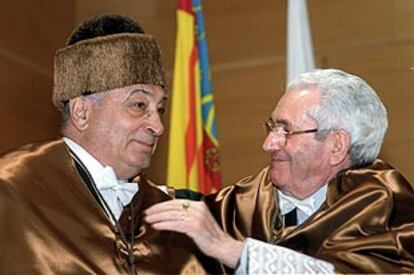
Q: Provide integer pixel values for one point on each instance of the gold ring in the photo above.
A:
(185, 205)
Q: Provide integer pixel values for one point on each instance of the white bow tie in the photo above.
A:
(116, 194)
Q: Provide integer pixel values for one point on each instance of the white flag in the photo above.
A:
(299, 41)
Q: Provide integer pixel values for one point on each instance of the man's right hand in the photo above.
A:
(195, 220)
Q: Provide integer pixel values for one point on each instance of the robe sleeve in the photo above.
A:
(263, 258)
(246, 208)
(368, 224)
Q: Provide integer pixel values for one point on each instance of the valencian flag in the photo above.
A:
(193, 157)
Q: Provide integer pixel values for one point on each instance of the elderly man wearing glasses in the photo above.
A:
(325, 203)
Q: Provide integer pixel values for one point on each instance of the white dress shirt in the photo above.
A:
(306, 207)
(116, 194)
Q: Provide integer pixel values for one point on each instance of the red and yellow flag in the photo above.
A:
(193, 158)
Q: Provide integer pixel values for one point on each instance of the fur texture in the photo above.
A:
(104, 25)
(104, 63)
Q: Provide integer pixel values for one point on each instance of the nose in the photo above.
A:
(273, 142)
(155, 125)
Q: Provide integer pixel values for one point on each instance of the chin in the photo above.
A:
(146, 164)
(278, 179)
(274, 178)
(139, 162)
(276, 172)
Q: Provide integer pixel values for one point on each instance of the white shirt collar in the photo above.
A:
(95, 168)
(98, 172)
(308, 206)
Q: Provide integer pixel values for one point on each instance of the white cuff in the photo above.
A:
(263, 258)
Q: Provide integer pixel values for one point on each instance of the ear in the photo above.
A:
(80, 112)
(340, 143)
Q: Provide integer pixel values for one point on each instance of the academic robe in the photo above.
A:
(366, 224)
(50, 223)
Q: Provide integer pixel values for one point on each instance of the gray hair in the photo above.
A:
(348, 103)
(96, 99)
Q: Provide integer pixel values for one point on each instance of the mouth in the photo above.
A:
(278, 158)
(145, 143)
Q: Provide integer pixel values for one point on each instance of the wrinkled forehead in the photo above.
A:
(152, 92)
(294, 104)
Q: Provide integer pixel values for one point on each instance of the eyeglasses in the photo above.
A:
(279, 129)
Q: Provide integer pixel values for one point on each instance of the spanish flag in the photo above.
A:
(193, 157)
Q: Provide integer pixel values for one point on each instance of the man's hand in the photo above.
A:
(195, 220)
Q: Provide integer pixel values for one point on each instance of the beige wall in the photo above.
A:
(371, 38)
(30, 33)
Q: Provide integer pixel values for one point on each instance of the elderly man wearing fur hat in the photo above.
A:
(73, 205)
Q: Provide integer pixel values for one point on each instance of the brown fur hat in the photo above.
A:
(104, 53)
